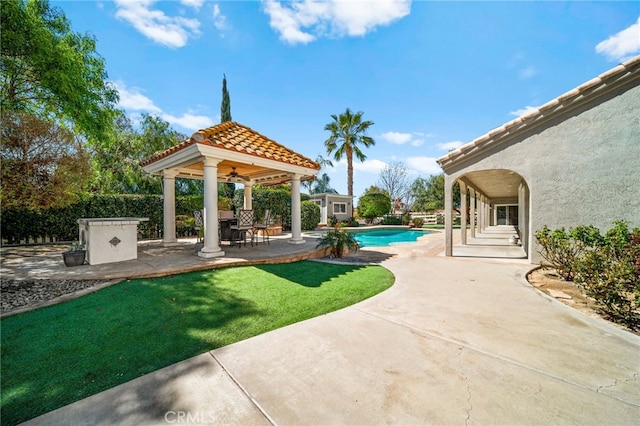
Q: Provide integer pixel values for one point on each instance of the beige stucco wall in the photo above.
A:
(583, 167)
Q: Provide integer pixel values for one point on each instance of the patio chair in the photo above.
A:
(263, 226)
(240, 229)
(197, 215)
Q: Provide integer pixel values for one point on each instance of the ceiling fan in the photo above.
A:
(234, 176)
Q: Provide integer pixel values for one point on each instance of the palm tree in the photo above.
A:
(349, 130)
(322, 185)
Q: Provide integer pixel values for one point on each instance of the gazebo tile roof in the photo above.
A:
(233, 136)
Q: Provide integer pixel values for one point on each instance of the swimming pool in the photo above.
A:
(387, 237)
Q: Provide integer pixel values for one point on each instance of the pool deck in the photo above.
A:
(454, 341)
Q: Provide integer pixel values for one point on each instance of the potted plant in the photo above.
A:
(75, 255)
(339, 241)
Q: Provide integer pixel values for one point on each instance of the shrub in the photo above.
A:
(418, 222)
(606, 267)
(332, 221)
(310, 215)
(338, 240)
(352, 222)
(391, 220)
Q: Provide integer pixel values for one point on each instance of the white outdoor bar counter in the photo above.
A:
(111, 239)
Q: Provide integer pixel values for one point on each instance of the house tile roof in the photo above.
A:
(232, 136)
(628, 70)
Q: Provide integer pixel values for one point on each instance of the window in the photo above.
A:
(339, 208)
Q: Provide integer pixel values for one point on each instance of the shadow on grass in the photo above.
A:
(57, 355)
(309, 274)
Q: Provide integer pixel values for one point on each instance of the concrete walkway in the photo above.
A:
(455, 341)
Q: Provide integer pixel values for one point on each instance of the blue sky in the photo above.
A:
(430, 75)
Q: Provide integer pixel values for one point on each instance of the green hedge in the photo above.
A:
(310, 215)
(60, 224)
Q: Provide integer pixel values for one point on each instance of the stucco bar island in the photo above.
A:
(111, 239)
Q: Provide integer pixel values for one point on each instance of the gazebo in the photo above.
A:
(229, 152)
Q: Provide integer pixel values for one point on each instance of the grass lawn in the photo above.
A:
(57, 355)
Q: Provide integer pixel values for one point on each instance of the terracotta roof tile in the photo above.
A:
(233, 136)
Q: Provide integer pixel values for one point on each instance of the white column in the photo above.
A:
(463, 213)
(472, 212)
(169, 202)
(211, 243)
(248, 202)
(296, 220)
(448, 216)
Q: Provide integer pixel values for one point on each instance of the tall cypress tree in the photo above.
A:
(225, 108)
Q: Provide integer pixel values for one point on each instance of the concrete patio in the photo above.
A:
(454, 341)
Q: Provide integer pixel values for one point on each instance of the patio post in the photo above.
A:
(448, 215)
(481, 211)
(211, 243)
(169, 204)
(463, 213)
(248, 201)
(472, 212)
(296, 221)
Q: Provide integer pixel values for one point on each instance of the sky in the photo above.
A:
(431, 75)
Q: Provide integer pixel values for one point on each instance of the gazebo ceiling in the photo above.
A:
(237, 147)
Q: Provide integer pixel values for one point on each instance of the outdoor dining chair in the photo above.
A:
(240, 229)
(263, 226)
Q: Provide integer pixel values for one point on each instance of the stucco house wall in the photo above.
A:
(327, 201)
(582, 167)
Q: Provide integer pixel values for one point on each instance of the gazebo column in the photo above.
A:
(448, 216)
(296, 221)
(211, 243)
(472, 211)
(463, 213)
(248, 191)
(169, 204)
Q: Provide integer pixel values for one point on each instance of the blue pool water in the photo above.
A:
(387, 237)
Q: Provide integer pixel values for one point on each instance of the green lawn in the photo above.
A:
(60, 354)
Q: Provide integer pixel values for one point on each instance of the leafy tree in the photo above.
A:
(429, 193)
(348, 130)
(43, 165)
(225, 107)
(373, 204)
(51, 72)
(116, 158)
(393, 179)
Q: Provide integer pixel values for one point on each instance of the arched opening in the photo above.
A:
(494, 215)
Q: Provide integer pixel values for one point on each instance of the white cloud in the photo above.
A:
(170, 31)
(303, 21)
(369, 166)
(527, 72)
(622, 45)
(524, 111)
(188, 120)
(399, 138)
(133, 101)
(426, 165)
(219, 20)
(196, 4)
(448, 146)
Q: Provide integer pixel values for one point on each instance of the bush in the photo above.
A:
(310, 215)
(606, 267)
(351, 222)
(418, 222)
(338, 241)
(332, 221)
(391, 220)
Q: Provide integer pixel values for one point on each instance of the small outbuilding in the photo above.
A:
(340, 206)
(573, 161)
